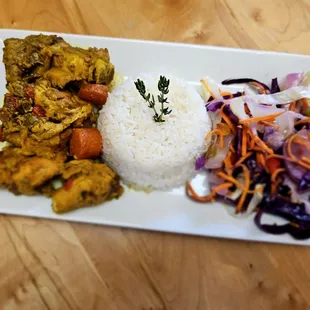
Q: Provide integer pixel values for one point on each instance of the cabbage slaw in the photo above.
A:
(259, 150)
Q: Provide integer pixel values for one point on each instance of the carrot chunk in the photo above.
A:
(85, 143)
(94, 93)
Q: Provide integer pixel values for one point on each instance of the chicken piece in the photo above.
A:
(77, 64)
(34, 172)
(5, 174)
(61, 107)
(23, 59)
(41, 122)
(38, 56)
(87, 183)
(25, 175)
(49, 148)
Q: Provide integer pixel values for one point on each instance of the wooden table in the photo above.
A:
(57, 265)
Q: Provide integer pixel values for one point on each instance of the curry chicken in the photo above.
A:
(48, 120)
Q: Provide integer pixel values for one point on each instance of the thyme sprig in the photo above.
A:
(163, 87)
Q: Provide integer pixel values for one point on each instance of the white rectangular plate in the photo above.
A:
(166, 211)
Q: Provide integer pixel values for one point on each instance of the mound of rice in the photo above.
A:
(147, 154)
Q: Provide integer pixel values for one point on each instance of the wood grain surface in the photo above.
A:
(58, 265)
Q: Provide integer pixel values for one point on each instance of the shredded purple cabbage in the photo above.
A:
(275, 88)
(295, 232)
(214, 106)
(304, 183)
(280, 201)
(200, 162)
(299, 226)
(231, 115)
(239, 141)
(243, 81)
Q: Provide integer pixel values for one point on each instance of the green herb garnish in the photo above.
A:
(163, 87)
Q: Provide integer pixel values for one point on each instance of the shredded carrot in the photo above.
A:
(252, 144)
(274, 186)
(214, 131)
(234, 181)
(292, 106)
(247, 181)
(221, 141)
(269, 117)
(263, 145)
(302, 141)
(205, 84)
(247, 110)
(302, 121)
(276, 173)
(244, 142)
(290, 154)
(269, 124)
(191, 192)
(259, 86)
(231, 148)
(226, 93)
(227, 120)
(250, 132)
(227, 161)
(243, 158)
(261, 160)
(224, 128)
(307, 160)
(257, 148)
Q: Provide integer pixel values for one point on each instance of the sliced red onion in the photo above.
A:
(212, 86)
(292, 80)
(215, 118)
(200, 162)
(258, 110)
(250, 91)
(295, 171)
(306, 79)
(217, 161)
(286, 122)
(253, 128)
(214, 179)
(282, 98)
(273, 138)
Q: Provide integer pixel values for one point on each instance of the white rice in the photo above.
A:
(147, 154)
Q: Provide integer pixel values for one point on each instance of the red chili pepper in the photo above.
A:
(38, 111)
(11, 101)
(68, 184)
(29, 90)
